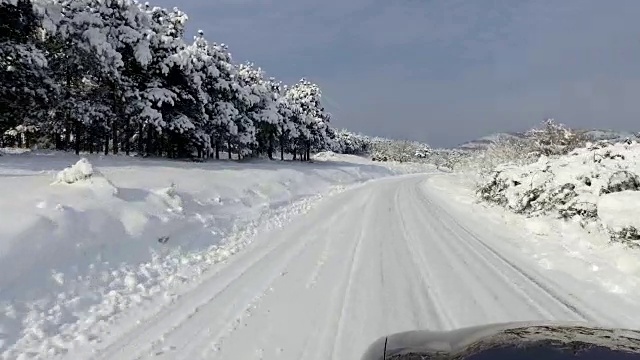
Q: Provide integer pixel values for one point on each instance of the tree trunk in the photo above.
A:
(294, 154)
(229, 148)
(78, 137)
(67, 133)
(149, 149)
(169, 144)
(271, 147)
(127, 138)
(114, 128)
(67, 98)
(282, 147)
(140, 138)
(159, 144)
(91, 140)
(106, 144)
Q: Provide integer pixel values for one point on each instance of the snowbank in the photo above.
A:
(597, 184)
(115, 233)
(558, 246)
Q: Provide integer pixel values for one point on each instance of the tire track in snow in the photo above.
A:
(137, 342)
(355, 262)
(207, 340)
(437, 311)
(218, 339)
(459, 251)
(232, 312)
(519, 271)
(311, 282)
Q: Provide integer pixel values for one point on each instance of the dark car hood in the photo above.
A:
(464, 342)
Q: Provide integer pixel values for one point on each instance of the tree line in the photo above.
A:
(118, 76)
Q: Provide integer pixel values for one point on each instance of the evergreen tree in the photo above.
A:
(115, 75)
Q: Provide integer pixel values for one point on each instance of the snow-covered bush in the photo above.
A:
(572, 186)
(555, 139)
(398, 150)
(380, 149)
(518, 151)
(549, 139)
(81, 170)
(347, 142)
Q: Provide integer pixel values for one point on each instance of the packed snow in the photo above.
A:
(596, 186)
(82, 243)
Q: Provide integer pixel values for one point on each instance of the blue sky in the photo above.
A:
(443, 71)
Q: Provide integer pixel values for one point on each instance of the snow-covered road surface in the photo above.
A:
(387, 256)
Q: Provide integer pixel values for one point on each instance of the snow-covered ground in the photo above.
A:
(560, 246)
(123, 258)
(392, 255)
(80, 246)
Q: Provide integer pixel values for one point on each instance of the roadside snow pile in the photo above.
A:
(82, 170)
(621, 213)
(598, 185)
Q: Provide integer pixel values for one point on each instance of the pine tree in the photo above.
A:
(118, 75)
(24, 85)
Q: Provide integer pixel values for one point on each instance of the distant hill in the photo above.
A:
(610, 134)
(595, 134)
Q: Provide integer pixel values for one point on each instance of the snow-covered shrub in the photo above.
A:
(423, 153)
(508, 149)
(398, 150)
(347, 142)
(550, 139)
(81, 170)
(380, 149)
(571, 186)
(555, 139)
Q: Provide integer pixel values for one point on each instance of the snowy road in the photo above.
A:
(391, 255)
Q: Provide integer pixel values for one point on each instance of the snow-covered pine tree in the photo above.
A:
(117, 33)
(24, 85)
(258, 103)
(117, 74)
(286, 129)
(223, 90)
(310, 118)
(78, 108)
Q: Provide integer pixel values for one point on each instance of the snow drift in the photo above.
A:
(598, 184)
